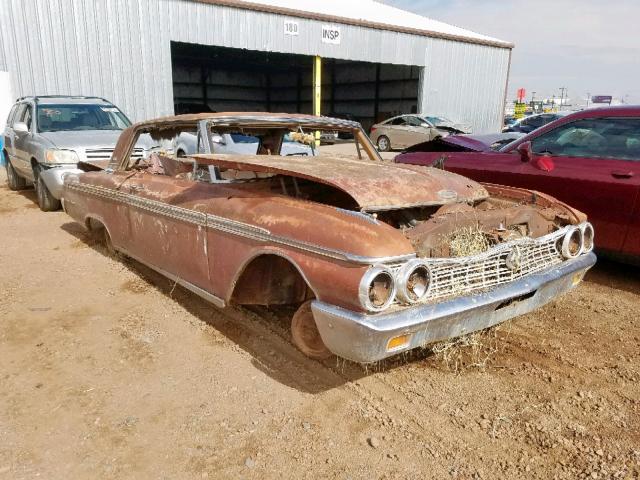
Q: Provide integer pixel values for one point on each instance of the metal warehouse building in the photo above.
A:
(358, 57)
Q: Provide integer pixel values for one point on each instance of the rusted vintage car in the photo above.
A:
(379, 257)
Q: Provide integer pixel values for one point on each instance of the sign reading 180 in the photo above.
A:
(331, 34)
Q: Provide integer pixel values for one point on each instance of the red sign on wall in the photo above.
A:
(520, 94)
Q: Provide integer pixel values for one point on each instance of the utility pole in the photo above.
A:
(562, 92)
(588, 98)
(533, 97)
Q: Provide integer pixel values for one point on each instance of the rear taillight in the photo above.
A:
(373, 129)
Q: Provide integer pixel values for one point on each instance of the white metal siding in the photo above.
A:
(465, 82)
(120, 49)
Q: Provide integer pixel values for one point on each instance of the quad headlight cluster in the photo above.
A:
(577, 240)
(380, 285)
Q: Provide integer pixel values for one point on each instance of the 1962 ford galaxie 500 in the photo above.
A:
(379, 257)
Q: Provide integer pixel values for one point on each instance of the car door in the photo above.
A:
(7, 136)
(632, 242)
(24, 142)
(397, 131)
(596, 168)
(167, 232)
(418, 131)
(19, 143)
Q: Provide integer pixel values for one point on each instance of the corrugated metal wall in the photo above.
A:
(465, 82)
(120, 49)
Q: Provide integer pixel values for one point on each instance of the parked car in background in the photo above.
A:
(589, 159)
(530, 123)
(466, 143)
(443, 123)
(344, 116)
(377, 258)
(241, 144)
(46, 136)
(508, 121)
(403, 131)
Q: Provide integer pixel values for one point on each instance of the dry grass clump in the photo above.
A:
(468, 241)
(475, 350)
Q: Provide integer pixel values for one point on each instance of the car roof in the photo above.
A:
(253, 119)
(598, 112)
(617, 111)
(399, 116)
(64, 100)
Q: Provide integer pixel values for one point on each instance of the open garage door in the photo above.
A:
(211, 78)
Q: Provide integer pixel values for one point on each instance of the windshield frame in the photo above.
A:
(217, 125)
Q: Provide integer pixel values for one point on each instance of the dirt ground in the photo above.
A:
(109, 371)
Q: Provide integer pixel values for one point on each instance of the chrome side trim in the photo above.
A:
(217, 301)
(228, 226)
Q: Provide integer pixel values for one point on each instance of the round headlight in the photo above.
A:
(414, 281)
(572, 243)
(588, 236)
(377, 289)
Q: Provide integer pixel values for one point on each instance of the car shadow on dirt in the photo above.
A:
(261, 332)
(613, 274)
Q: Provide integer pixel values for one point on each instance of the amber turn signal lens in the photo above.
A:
(398, 342)
(577, 278)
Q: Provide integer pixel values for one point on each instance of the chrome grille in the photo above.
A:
(105, 153)
(478, 273)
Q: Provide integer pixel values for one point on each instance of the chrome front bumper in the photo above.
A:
(364, 338)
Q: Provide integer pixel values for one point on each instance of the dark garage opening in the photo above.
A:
(232, 79)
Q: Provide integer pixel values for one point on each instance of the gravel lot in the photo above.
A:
(110, 371)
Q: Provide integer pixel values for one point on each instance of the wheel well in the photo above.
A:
(93, 224)
(270, 280)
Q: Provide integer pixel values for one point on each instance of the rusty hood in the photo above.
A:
(375, 186)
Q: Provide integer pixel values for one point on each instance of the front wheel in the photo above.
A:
(46, 201)
(14, 181)
(305, 334)
(384, 145)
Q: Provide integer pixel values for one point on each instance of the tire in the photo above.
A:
(46, 201)
(305, 334)
(384, 145)
(14, 181)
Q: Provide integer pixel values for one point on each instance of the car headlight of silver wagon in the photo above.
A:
(54, 155)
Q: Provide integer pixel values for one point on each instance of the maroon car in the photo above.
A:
(589, 159)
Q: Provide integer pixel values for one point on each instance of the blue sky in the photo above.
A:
(585, 45)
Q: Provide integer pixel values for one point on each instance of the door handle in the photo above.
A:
(621, 174)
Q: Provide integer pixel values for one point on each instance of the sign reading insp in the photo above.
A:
(331, 34)
(291, 27)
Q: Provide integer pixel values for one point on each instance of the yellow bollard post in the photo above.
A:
(317, 91)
